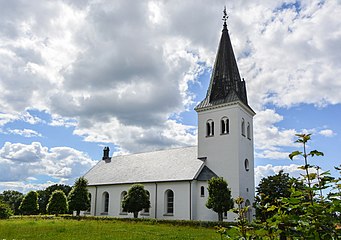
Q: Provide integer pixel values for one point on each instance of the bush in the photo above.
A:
(29, 204)
(57, 203)
(5, 211)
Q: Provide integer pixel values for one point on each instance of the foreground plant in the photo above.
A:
(304, 212)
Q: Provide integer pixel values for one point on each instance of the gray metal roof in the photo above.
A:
(225, 85)
(206, 174)
(160, 166)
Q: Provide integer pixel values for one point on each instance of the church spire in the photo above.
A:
(225, 84)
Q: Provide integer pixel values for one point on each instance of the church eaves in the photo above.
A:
(226, 85)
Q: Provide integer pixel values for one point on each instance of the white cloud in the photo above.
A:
(268, 170)
(327, 133)
(24, 161)
(269, 139)
(24, 132)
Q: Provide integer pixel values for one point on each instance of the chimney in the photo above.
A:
(106, 157)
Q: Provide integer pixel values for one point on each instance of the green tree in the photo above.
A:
(44, 195)
(270, 189)
(219, 197)
(78, 197)
(5, 210)
(57, 203)
(29, 204)
(136, 199)
(13, 199)
(306, 212)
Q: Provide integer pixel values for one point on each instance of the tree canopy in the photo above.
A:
(13, 199)
(29, 204)
(136, 199)
(78, 197)
(57, 203)
(44, 195)
(270, 190)
(219, 197)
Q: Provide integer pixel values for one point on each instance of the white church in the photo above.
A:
(177, 179)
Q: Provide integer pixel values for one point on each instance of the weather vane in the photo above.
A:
(225, 17)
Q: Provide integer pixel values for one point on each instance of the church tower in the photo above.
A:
(225, 124)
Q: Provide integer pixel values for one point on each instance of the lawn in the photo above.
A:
(52, 229)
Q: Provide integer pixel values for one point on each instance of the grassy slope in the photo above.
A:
(91, 229)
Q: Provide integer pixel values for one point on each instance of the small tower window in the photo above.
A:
(225, 125)
(202, 191)
(243, 127)
(248, 131)
(209, 128)
(247, 165)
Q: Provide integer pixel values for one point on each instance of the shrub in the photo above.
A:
(57, 203)
(5, 211)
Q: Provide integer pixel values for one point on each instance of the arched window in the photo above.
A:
(224, 125)
(248, 131)
(209, 128)
(105, 202)
(169, 206)
(122, 197)
(243, 127)
(247, 165)
(202, 191)
(249, 211)
(146, 210)
(89, 209)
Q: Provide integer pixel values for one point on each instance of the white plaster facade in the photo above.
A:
(188, 201)
(227, 153)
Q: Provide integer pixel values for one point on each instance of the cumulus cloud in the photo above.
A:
(93, 63)
(269, 139)
(19, 162)
(268, 170)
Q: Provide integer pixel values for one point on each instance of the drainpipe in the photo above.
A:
(95, 210)
(155, 200)
(190, 200)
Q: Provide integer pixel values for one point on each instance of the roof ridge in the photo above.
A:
(158, 150)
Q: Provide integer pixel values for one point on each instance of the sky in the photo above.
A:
(78, 75)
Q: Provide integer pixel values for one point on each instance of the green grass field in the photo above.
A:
(53, 229)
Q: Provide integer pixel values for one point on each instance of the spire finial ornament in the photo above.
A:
(225, 17)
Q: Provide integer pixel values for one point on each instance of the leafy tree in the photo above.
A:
(44, 195)
(5, 210)
(306, 212)
(13, 199)
(29, 204)
(57, 203)
(219, 197)
(78, 197)
(270, 189)
(136, 199)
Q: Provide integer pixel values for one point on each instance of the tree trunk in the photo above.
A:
(220, 216)
(136, 214)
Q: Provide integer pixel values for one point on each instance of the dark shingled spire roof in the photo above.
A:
(225, 85)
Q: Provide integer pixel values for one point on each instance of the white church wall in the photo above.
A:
(221, 150)
(200, 211)
(246, 187)
(226, 153)
(181, 200)
(157, 199)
